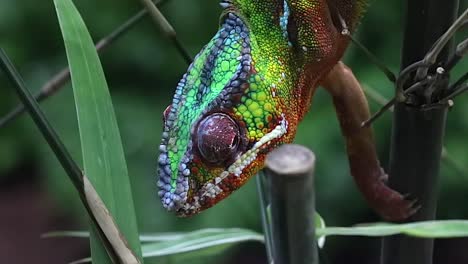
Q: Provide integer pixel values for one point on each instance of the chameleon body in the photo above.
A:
(245, 94)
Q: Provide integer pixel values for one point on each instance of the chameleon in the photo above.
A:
(246, 92)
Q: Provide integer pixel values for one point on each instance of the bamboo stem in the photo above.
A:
(418, 132)
(289, 171)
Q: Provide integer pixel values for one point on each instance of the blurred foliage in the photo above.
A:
(143, 69)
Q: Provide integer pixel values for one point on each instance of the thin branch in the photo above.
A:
(400, 93)
(58, 81)
(405, 75)
(346, 32)
(388, 73)
(459, 82)
(69, 165)
(381, 111)
(264, 208)
(462, 48)
(166, 28)
(375, 96)
(432, 55)
(457, 91)
(460, 52)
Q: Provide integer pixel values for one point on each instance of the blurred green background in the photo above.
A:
(142, 70)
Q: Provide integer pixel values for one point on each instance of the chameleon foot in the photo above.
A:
(390, 204)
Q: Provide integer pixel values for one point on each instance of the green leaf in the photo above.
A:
(103, 156)
(319, 224)
(201, 239)
(202, 242)
(427, 229)
(215, 240)
(156, 237)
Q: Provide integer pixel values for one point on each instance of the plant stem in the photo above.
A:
(418, 133)
(69, 165)
(289, 170)
(48, 132)
(262, 190)
(166, 28)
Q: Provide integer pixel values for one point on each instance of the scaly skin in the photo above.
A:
(246, 92)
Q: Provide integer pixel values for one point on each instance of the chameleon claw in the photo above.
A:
(407, 196)
(383, 176)
(415, 209)
(413, 201)
(392, 205)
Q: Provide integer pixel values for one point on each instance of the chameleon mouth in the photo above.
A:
(172, 194)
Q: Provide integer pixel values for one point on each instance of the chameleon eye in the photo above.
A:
(218, 138)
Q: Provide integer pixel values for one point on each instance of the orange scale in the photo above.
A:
(224, 188)
(210, 202)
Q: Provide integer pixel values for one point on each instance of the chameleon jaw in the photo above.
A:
(171, 197)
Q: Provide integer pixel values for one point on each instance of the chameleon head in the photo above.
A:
(220, 125)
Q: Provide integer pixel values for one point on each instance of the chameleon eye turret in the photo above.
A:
(218, 139)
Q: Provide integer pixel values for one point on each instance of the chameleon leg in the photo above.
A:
(352, 109)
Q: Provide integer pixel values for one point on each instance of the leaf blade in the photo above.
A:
(425, 229)
(103, 156)
(200, 242)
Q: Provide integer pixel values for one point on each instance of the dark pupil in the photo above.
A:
(218, 138)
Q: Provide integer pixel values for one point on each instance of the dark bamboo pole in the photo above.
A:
(418, 132)
(289, 174)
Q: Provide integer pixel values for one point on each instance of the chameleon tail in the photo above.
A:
(351, 108)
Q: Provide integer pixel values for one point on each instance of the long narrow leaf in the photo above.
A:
(200, 240)
(156, 237)
(171, 236)
(103, 156)
(204, 241)
(426, 229)
(163, 244)
(430, 229)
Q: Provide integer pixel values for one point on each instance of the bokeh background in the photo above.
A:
(142, 70)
